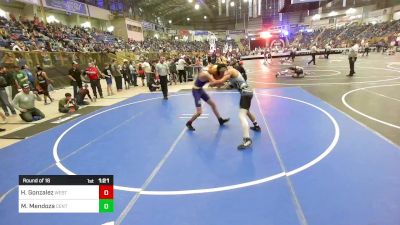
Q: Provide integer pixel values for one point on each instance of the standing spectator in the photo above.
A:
(327, 50)
(117, 75)
(198, 65)
(141, 73)
(5, 103)
(25, 103)
(172, 71)
(126, 74)
(20, 78)
(43, 82)
(82, 94)
(353, 58)
(94, 77)
(31, 78)
(147, 70)
(108, 75)
(67, 104)
(162, 72)
(180, 66)
(74, 75)
(313, 53)
(366, 48)
(133, 73)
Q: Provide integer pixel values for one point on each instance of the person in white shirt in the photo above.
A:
(353, 58)
(313, 53)
(180, 66)
(147, 70)
(162, 71)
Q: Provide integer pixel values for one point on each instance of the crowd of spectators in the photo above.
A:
(375, 34)
(33, 35)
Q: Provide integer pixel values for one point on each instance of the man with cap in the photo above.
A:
(24, 102)
(74, 75)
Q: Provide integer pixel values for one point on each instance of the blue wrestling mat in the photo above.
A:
(311, 164)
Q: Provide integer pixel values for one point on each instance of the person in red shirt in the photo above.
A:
(94, 76)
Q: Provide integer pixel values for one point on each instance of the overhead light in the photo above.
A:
(333, 13)
(223, 1)
(232, 4)
(110, 29)
(190, 1)
(205, 17)
(188, 19)
(245, 0)
(316, 17)
(196, 6)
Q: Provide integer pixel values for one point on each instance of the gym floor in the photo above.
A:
(328, 153)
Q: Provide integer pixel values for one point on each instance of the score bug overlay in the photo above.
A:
(66, 194)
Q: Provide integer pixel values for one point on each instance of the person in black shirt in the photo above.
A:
(83, 91)
(75, 77)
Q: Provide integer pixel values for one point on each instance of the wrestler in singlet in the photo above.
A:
(200, 94)
(237, 82)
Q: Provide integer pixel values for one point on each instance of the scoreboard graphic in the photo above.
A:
(66, 194)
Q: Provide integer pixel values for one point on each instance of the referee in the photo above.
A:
(162, 72)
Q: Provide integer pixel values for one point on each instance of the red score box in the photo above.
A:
(106, 192)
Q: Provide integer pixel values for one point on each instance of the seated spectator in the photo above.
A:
(83, 91)
(24, 102)
(67, 104)
(153, 84)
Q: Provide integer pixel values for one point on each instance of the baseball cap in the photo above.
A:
(25, 86)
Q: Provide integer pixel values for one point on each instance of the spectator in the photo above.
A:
(180, 66)
(83, 91)
(42, 83)
(67, 104)
(172, 71)
(94, 77)
(5, 104)
(74, 75)
(108, 76)
(141, 73)
(25, 103)
(366, 48)
(147, 70)
(133, 73)
(162, 72)
(117, 75)
(31, 78)
(20, 78)
(126, 74)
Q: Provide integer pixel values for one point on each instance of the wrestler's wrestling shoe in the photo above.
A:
(247, 142)
(189, 126)
(256, 128)
(222, 121)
